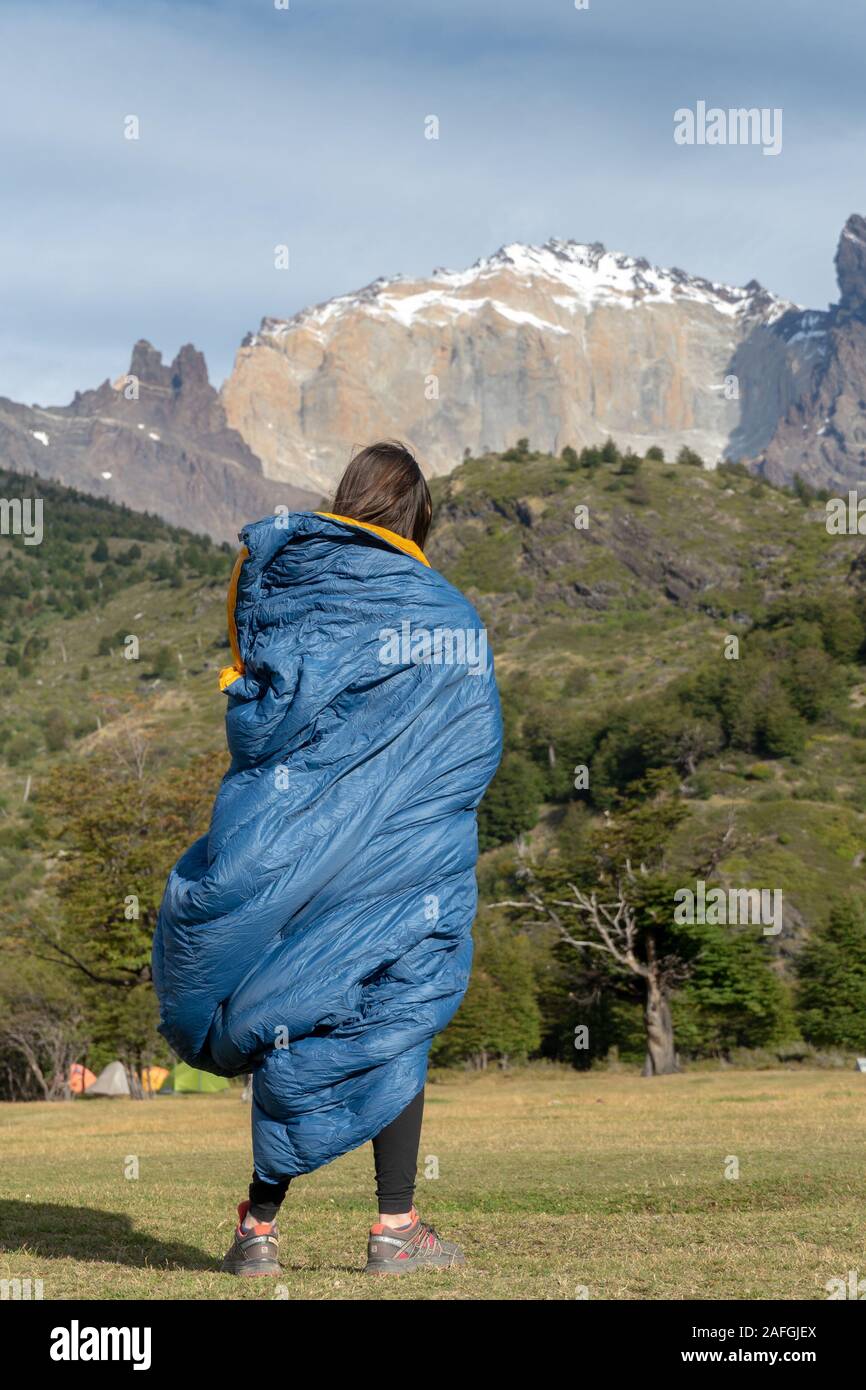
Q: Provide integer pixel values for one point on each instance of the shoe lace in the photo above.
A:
(419, 1240)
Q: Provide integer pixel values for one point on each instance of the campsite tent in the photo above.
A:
(80, 1078)
(153, 1078)
(185, 1079)
(111, 1081)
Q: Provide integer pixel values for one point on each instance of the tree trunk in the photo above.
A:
(661, 1057)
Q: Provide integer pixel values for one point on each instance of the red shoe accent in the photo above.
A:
(258, 1228)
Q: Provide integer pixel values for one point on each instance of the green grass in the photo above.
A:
(551, 1180)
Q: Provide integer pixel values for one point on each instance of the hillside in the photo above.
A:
(609, 644)
(588, 624)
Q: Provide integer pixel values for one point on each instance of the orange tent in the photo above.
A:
(80, 1078)
(152, 1078)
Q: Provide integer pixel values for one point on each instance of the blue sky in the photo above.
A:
(306, 127)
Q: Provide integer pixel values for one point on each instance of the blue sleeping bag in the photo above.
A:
(320, 934)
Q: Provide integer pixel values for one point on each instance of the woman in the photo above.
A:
(320, 934)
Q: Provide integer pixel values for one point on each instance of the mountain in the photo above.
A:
(822, 434)
(156, 439)
(563, 343)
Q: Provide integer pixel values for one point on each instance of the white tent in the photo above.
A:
(111, 1081)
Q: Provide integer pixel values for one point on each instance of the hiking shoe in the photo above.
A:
(417, 1246)
(255, 1249)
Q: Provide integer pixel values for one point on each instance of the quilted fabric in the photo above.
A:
(320, 934)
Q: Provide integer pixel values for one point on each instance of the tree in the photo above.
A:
(570, 458)
(831, 971)
(692, 740)
(38, 1044)
(627, 923)
(630, 464)
(732, 997)
(662, 734)
(783, 732)
(510, 806)
(100, 552)
(499, 1016)
(119, 832)
(613, 907)
(471, 1035)
(508, 960)
(618, 917)
(814, 682)
(161, 567)
(753, 699)
(165, 664)
(56, 731)
(519, 452)
(690, 458)
(655, 453)
(842, 629)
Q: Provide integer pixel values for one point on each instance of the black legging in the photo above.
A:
(395, 1150)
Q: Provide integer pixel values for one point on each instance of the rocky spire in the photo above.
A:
(851, 265)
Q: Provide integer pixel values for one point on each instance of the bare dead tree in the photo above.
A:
(720, 846)
(614, 928)
(46, 1043)
(613, 921)
(128, 734)
(129, 748)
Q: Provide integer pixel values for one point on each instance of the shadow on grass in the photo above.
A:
(82, 1233)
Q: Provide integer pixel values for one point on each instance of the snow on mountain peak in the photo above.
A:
(543, 286)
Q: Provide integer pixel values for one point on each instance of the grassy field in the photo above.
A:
(554, 1181)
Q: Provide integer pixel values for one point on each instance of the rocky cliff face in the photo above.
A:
(564, 343)
(156, 439)
(821, 434)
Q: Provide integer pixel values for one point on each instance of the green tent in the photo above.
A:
(184, 1079)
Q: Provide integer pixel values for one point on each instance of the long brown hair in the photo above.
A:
(384, 485)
